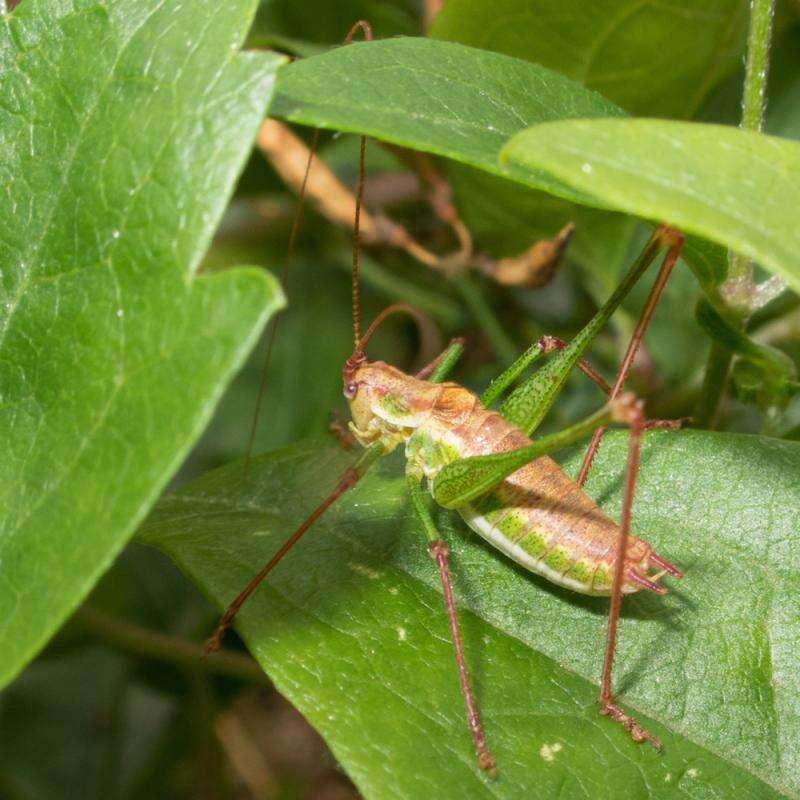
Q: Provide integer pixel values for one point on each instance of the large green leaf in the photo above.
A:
(351, 626)
(737, 188)
(439, 97)
(655, 59)
(462, 103)
(122, 128)
(453, 101)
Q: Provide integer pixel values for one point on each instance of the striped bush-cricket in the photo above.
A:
(483, 464)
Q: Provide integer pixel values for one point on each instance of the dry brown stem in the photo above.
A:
(289, 155)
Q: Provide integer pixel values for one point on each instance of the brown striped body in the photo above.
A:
(538, 515)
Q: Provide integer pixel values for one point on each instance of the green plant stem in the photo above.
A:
(714, 381)
(755, 81)
(209, 778)
(144, 643)
(738, 287)
(443, 309)
(754, 101)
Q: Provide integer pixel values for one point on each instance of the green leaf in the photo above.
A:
(449, 100)
(656, 59)
(123, 126)
(737, 188)
(438, 97)
(319, 300)
(352, 630)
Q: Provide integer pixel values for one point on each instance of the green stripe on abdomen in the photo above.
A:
(511, 532)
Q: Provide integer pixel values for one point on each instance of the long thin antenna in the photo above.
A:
(423, 322)
(290, 248)
(357, 246)
(366, 29)
(363, 26)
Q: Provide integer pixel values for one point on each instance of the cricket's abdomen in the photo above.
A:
(538, 516)
(552, 530)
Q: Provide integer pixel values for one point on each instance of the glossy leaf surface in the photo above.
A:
(351, 626)
(734, 187)
(122, 129)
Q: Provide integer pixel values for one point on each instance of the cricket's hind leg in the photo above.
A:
(623, 572)
(674, 240)
(551, 344)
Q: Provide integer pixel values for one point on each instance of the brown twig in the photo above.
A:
(533, 268)
(288, 154)
(158, 646)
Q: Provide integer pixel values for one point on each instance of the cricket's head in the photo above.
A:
(384, 401)
(357, 389)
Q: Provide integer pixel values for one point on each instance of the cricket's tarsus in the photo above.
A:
(503, 484)
(637, 732)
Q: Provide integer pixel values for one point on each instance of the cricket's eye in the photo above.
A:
(350, 390)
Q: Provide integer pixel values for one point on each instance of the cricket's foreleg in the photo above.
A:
(607, 705)
(340, 432)
(438, 552)
(348, 479)
(674, 239)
